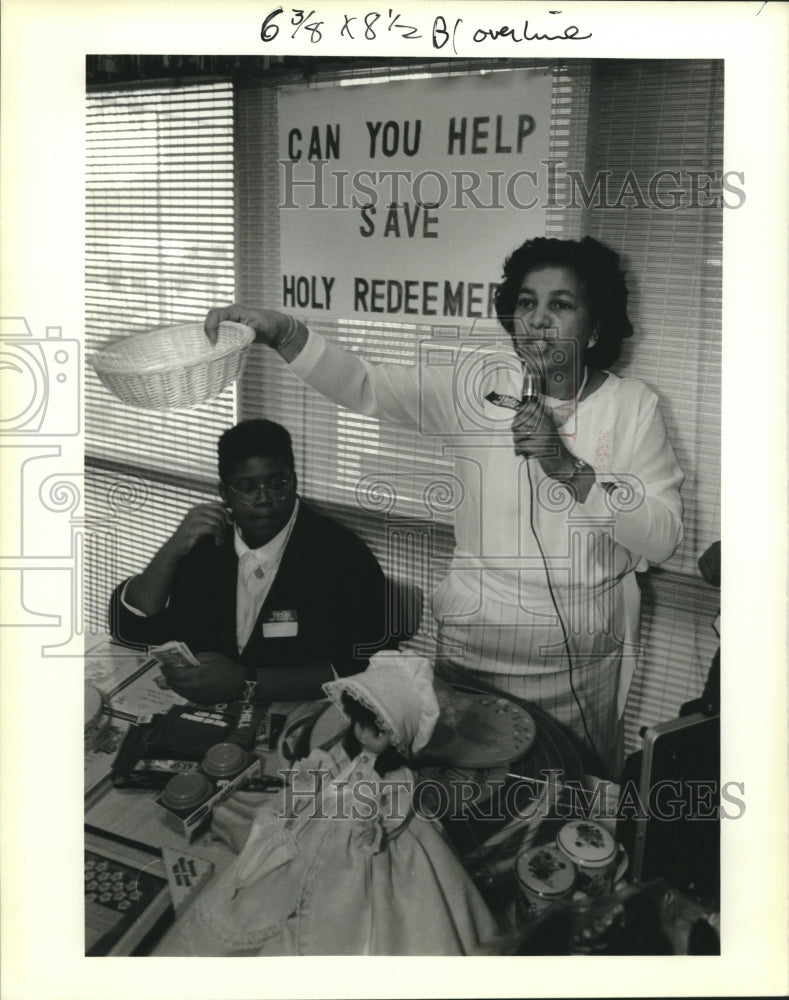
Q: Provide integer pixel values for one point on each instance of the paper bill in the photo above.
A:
(174, 654)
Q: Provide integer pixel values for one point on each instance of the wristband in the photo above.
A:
(579, 467)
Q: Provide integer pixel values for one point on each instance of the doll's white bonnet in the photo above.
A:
(398, 688)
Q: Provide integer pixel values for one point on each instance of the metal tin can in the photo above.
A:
(592, 850)
(225, 761)
(544, 876)
(185, 792)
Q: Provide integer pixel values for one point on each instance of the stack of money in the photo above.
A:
(174, 654)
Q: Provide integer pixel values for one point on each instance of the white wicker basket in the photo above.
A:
(172, 367)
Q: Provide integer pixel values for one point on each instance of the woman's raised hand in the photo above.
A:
(269, 326)
(203, 519)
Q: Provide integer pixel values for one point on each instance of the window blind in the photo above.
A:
(652, 116)
(132, 513)
(679, 642)
(668, 116)
(159, 222)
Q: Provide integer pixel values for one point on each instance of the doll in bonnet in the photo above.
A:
(348, 867)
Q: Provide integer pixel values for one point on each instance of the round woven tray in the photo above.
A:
(475, 730)
(172, 367)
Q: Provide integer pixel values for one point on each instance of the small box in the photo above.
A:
(193, 824)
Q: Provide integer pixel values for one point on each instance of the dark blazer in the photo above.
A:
(327, 576)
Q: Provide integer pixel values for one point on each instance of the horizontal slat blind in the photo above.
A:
(131, 516)
(677, 634)
(653, 116)
(159, 218)
(348, 458)
(159, 249)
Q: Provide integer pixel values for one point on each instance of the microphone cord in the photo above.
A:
(565, 636)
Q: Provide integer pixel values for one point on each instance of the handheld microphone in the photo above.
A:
(531, 386)
(530, 391)
(530, 395)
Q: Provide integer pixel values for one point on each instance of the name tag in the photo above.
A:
(280, 625)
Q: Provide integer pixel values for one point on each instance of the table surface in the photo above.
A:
(131, 685)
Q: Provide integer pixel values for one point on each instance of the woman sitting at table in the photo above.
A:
(541, 600)
(272, 597)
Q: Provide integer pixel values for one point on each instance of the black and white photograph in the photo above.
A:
(375, 480)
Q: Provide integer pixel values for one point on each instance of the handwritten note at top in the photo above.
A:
(443, 31)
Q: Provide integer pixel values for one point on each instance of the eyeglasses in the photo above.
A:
(247, 490)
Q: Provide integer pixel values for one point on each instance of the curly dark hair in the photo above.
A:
(602, 278)
(253, 439)
(390, 759)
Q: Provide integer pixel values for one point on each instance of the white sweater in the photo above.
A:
(618, 430)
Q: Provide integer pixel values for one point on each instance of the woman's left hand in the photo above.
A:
(535, 436)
